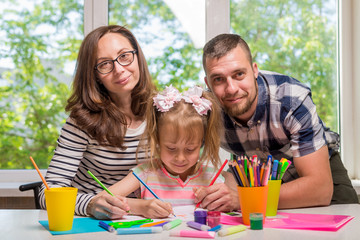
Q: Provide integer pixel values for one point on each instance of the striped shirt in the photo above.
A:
(77, 152)
(284, 125)
(171, 188)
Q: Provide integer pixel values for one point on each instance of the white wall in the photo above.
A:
(349, 36)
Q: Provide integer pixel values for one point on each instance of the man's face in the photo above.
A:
(232, 79)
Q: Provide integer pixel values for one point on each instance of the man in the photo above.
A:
(267, 113)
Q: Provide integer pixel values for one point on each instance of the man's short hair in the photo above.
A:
(222, 44)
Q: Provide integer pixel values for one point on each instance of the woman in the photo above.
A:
(107, 107)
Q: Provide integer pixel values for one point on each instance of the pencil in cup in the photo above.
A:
(41, 176)
(236, 173)
(257, 176)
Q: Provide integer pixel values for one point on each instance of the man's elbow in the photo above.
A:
(327, 194)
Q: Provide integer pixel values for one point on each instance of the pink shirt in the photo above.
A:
(171, 188)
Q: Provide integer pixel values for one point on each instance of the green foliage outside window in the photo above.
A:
(293, 37)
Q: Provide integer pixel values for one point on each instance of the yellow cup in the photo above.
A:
(60, 205)
(273, 197)
(252, 200)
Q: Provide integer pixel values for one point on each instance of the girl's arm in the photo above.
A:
(152, 208)
(125, 186)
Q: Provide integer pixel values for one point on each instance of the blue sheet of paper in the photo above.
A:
(80, 225)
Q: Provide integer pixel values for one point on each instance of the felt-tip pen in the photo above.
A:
(172, 224)
(106, 226)
(123, 231)
(232, 230)
(274, 170)
(193, 234)
(215, 229)
(198, 226)
(153, 224)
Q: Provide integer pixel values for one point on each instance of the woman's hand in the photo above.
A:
(105, 206)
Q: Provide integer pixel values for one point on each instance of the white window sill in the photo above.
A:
(10, 180)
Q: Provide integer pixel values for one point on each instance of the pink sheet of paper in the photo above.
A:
(319, 222)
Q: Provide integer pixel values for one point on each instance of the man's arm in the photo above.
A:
(314, 187)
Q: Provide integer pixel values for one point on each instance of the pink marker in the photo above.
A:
(194, 234)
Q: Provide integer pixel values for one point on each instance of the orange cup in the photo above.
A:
(252, 200)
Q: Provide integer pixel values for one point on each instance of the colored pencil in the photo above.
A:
(234, 173)
(41, 176)
(147, 187)
(100, 183)
(245, 178)
(240, 175)
(214, 179)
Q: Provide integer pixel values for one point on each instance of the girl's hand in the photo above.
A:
(218, 197)
(156, 208)
(105, 206)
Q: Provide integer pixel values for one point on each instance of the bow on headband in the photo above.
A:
(166, 99)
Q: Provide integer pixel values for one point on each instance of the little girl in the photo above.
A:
(183, 136)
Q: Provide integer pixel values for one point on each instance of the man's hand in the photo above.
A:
(105, 206)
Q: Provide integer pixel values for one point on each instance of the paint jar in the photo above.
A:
(256, 221)
(213, 218)
(200, 216)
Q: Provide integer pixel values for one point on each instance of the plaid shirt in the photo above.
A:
(285, 124)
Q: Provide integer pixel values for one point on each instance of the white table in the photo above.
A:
(23, 224)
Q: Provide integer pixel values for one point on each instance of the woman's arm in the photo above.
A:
(72, 144)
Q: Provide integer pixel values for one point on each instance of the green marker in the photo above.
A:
(172, 224)
(284, 167)
(102, 185)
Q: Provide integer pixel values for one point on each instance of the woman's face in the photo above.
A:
(122, 79)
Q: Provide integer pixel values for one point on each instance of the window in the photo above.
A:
(39, 41)
(171, 34)
(295, 38)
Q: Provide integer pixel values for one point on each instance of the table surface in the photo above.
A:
(24, 224)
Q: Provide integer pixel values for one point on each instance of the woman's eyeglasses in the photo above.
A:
(124, 59)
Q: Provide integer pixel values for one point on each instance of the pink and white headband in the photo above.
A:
(166, 99)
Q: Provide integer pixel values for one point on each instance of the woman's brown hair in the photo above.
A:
(90, 104)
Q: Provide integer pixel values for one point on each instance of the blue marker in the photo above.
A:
(106, 226)
(144, 230)
(215, 229)
(274, 170)
(269, 158)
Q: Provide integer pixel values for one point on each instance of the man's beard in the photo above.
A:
(240, 109)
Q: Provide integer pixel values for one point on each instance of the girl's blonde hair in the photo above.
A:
(185, 119)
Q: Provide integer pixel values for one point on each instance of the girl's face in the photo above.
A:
(122, 79)
(179, 154)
